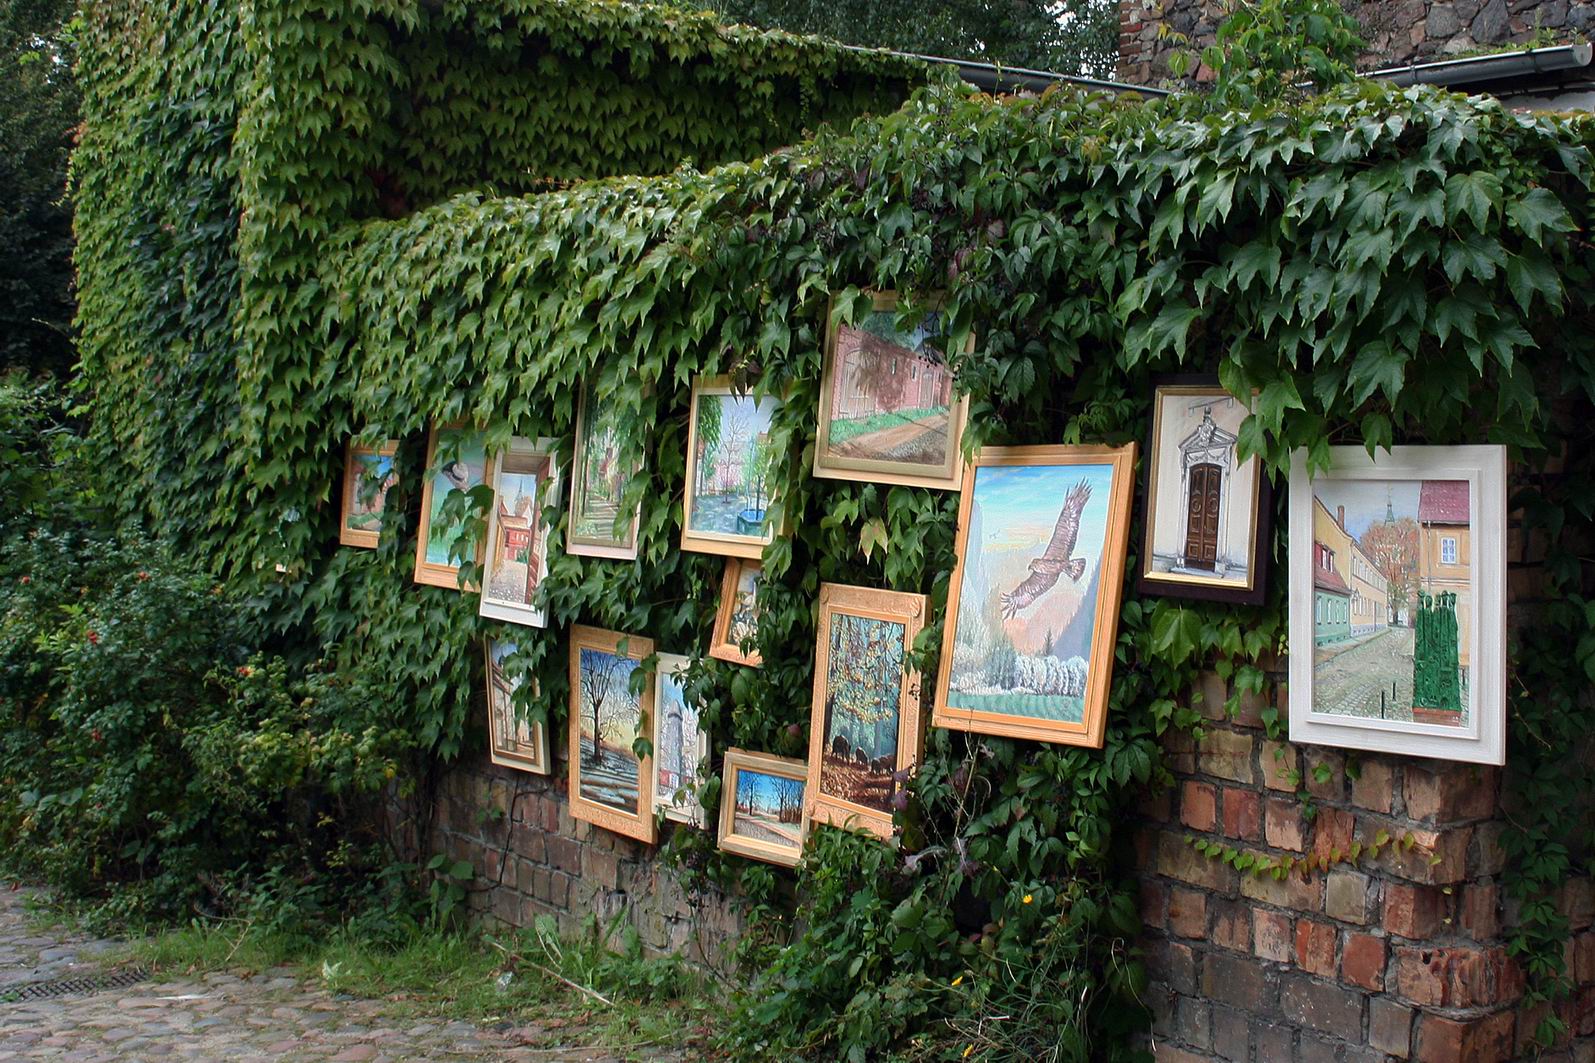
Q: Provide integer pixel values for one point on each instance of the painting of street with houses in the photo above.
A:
(1392, 599)
(516, 562)
(1027, 603)
(597, 487)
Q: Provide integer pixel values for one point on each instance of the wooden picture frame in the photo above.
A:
(525, 476)
(733, 460)
(851, 781)
(356, 503)
(584, 534)
(851, 398)
(725, 644)
(599, 682)
(1054, 511)
(434, 563)
(681, 745)
(759, 834)
(513, 741)
(1208, 515)
(1398, 601)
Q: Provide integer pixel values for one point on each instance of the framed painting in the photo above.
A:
(1207, 512)
(1398, 601)
(887, 410)
(455, 461)
(737, 620)
(1033, 608)
(762, 807)
(598, 527)
(606, 717)
(513, 740)
(681, 746)
(368, 474)
(864, 726)
(525, 478)
(731, 468)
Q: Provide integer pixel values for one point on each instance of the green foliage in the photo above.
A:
(1271, 50)
(1079, 37)
(38, 111)
(1320, 253)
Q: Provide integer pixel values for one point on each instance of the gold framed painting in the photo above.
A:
(513, 740)
(762, 807)
(607, 776)
(1207, 512)
(888, 413)
(439, 546)
(864, 726)
(525, 477)
(681, 746)
(598, 527)
(1033, 609)
(737, 620)
(731, 471)
(368, 475)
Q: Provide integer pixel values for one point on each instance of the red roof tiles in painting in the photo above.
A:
(1443, 502)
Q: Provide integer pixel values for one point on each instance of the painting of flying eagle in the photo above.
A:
(1055, 560)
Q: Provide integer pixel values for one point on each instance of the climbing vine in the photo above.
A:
(332, 245)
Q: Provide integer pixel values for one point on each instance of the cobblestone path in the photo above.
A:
(1350, 682)
(272, 1015)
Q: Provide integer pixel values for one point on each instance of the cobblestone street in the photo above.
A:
(270, 1015)
(1351, 681)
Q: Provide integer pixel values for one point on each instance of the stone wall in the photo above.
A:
(1395, 958)
(1397, 31)
(533, 859)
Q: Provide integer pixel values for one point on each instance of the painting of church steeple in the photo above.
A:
(1204, 505)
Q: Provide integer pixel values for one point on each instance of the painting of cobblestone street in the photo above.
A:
(1391, 600)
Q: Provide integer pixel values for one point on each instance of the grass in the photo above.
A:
(843, 429)
(1063, 707)
(581, 993)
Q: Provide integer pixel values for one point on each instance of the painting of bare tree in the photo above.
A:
(762, 811)
(609, 710)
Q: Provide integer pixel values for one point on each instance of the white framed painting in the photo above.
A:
(681, 746)
(525, 478)
(1398, 601)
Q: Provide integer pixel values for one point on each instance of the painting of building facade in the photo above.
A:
(1034, 606)
(524, 479)
(887, 411)
(730, 471)
(864, 728)
(598, 527)
(1205, 519)
(680, 743)
(456, 461)
(606, 717)
(513, 740)
(1390, 565)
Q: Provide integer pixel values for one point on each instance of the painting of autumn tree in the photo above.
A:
(1393, 547)
(864, 683)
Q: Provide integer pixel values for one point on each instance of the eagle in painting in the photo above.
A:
(1055, 560)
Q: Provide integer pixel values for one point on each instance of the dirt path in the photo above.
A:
(923, 440)
(270, 1015)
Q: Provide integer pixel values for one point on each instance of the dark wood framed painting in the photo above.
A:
(1207, 512)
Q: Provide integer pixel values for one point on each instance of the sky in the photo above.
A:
(615, 728)
(767, 787)
(1019, 505)
(1365, 500)
(742, 409)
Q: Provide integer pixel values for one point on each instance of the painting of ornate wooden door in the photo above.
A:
(1201, 517)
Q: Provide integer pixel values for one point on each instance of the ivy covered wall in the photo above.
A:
(1379, 266)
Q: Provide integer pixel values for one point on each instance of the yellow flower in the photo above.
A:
(1028, 898)
(959, 980)
(968, 1049)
